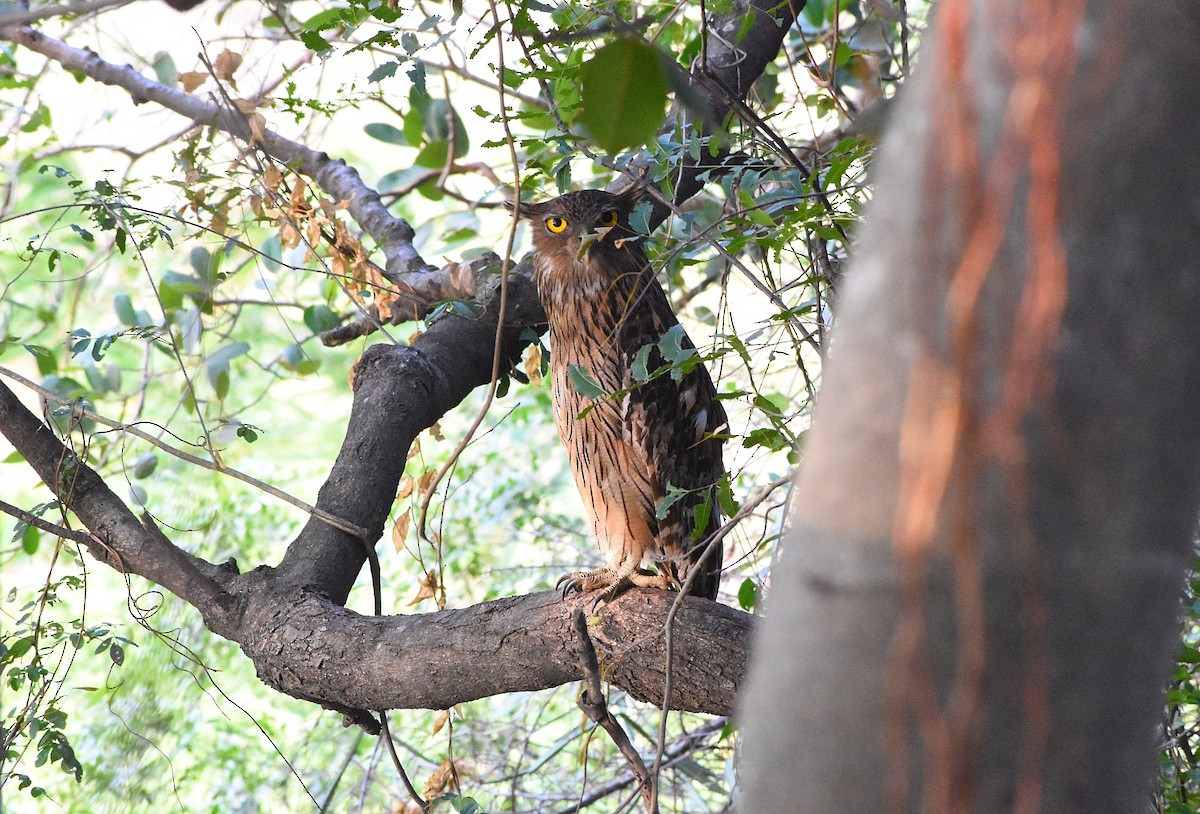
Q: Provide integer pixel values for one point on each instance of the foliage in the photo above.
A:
(166, 277)
(1179, 760)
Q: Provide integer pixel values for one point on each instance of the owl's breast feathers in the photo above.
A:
(627, 453)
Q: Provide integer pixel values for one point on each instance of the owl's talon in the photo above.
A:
(585, 582)
(568, 584)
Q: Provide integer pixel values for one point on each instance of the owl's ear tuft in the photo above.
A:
(631, 196)
(529, 210)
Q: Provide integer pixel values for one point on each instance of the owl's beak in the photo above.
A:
(591, 239)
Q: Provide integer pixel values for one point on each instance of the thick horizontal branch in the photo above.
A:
(310, 648)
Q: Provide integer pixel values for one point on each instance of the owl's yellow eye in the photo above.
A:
(609, 218)
(556, 225)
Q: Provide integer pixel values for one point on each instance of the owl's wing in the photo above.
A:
(670, 420)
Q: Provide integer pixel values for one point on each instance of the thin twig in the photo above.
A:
(26, 16)
(592, 702)
(45, 525)
(337, 522)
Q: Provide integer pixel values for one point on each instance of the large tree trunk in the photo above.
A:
(977, 606)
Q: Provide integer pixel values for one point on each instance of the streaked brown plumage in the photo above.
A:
(604, 305)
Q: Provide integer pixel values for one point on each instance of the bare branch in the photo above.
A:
(592, 702)
(30, 15)
(421, 282)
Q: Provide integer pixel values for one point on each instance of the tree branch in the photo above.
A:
(418, 281)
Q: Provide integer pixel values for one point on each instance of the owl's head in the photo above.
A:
(581, 224)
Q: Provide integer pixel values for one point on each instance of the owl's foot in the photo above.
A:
(611, 581)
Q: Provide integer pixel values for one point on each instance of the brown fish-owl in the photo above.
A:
(658, 435)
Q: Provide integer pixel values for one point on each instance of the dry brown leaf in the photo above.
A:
(299, 188)
(339, 265)
(272, 177)
(440, 780)
(462, 278)
(226, 63)
(191, 80)
(245, 106)
(413, 337)
(441, 720)
(258, 128)
(533, 365)
(406, 487)
(414, 450)
(426, 481)
(220, 219)
(313, 232)
(426, 587)
(436, 431)
(400, 530)
(289, 238)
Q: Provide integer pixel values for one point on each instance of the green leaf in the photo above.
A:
(381, 72)
(200, 259)
(729, 506)
(323, 20)
(272, 252)
(748, 594)
(314, 42)
(19, 648)
(814, 13)
(583, 383)
(640, 361)
(623, 94)
(320, 318)
(388, 134)
(164, 69)
(78, 341)
(433, 155)
(773, 404)
(145, 465)
(30, 539)
(47, 363)
(40, 118)
(673, 496)
(173, 287)
(673, 349)
(767, 437)
(216, 366)
(703, 513)
(438, 117)
(123, 305)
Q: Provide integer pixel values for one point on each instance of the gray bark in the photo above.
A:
(874, 687)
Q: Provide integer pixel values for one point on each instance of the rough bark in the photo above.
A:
(1017, 663)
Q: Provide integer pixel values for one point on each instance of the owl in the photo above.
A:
(646, 455)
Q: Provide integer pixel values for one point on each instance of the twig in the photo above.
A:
(26, 16)
(337, 522)
(592, 702)
(46, 525)
(391, 748)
